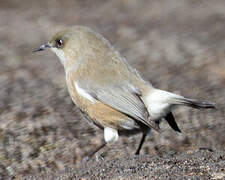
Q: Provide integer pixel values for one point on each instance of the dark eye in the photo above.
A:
(59, 43)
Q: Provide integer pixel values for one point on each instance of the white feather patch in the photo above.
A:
(110, 135)
(158, 103)
(84, 94)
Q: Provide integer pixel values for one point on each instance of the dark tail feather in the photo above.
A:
(180, 100)
(171, 121)
(198, 104)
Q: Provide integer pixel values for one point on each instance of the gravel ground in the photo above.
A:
(198, 164)
(178, 45)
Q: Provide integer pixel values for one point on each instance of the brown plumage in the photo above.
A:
(110, 92)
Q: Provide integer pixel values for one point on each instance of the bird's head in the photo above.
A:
(75, 44)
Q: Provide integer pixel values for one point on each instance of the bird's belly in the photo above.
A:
(105, 116)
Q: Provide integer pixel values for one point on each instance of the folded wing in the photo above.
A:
(126, 99)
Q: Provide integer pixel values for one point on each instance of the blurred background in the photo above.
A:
(178, 45)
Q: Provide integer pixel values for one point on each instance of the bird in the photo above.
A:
(108, 91)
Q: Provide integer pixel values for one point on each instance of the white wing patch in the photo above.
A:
(84, 94)
(110, 135)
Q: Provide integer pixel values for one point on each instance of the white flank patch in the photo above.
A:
(83, 93)
(60, 54)
(110, 135)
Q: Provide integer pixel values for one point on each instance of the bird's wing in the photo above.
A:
(125, 99)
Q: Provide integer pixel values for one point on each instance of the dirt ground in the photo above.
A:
(199, 164)
(178, 45)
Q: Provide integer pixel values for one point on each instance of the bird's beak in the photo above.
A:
(42, 47)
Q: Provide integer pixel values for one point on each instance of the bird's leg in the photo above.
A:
(96, 150)
(141, 143)
(89, 155)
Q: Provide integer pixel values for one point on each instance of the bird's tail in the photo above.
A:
(198, 104)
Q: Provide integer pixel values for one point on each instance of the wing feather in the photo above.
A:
(125, 99)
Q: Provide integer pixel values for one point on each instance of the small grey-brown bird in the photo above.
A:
(110, 92)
